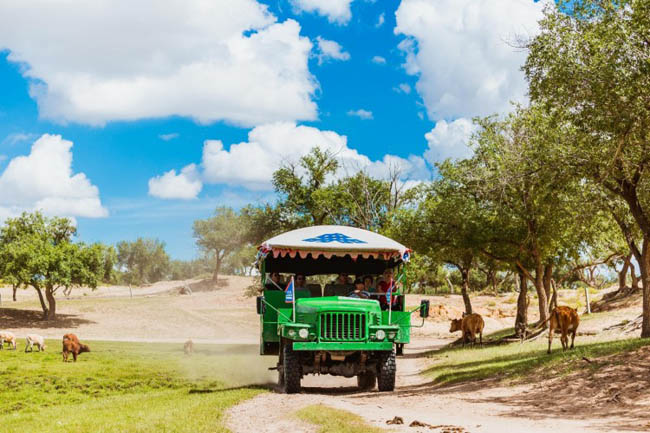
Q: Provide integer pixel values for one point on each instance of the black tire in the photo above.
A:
(399, 347)
(386, 371)
(367, 381)
(291, 370)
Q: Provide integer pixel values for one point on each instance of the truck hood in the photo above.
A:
(336, 303)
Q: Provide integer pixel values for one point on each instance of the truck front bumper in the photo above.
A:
(330, 346)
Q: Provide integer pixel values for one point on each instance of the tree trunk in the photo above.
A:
(40, 298)
(465, 290)
(644, 265)
(622, 275)
(548, 276)
(15, 288)
(495, 288)
(635, 278)
(541, 294)
(51, 301)
(215, 275)
(521, 320)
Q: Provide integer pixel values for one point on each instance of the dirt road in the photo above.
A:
(472, 408)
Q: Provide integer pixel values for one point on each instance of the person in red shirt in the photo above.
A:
(383, 287)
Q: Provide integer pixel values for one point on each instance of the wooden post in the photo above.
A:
(130, 291)
(587, 298)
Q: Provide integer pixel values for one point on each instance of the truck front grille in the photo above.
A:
(343, 326)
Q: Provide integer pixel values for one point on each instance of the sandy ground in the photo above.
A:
(226, 316)
(154, 313)
(474, 408)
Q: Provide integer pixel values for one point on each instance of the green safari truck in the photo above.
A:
(329, 328)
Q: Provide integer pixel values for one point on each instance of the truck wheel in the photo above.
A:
(366, 381)
(291, 370)
(386, 371)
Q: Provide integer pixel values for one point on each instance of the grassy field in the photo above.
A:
(331, 420)
(514, 361)
(126, 387)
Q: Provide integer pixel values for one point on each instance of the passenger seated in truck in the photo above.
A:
(299, 281)
(275, 282)
(359, 290)
(342, 279)
(369, 284)
(383, 287)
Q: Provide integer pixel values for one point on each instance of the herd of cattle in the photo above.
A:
(563, 320)
(71, 344)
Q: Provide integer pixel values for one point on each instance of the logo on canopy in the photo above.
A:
(334, 237)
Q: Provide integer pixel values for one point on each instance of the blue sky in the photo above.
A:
(124, 101)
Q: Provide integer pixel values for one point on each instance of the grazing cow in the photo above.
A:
(470, 324)
(565, 320)
(188, 348)
(9, 338)
(72, 345)
(35, 339)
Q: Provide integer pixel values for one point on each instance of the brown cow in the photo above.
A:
(72, 345)
(566, 320)
(470, 324)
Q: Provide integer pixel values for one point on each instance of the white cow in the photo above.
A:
(35, 339)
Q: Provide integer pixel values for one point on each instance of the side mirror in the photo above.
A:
(424, 308)
(261, 306)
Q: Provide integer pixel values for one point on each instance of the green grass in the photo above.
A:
(126, 387)
(331, 420)
(515, 361)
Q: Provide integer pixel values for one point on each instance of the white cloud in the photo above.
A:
(380, 20)
(168, 137)
(361, 114)
(379, 60)
(449, 140)
(463, 51)
(251, 164)
(327, 50)
(336, 11)
(403, 88)
(43, 180)
(184, 185)
(17, 137)
(99, 61)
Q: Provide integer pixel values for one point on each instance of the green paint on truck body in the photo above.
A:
(333, 323)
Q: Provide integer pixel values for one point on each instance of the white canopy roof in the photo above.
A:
(333, 241)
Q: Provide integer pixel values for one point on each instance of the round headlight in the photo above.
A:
(391, 335)
(380, 335)
(292, 333)
(303, 333)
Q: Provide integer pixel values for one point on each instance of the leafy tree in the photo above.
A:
(143, 260)
(304, 186)
(446, 225)
(220, 235)
(591, 69)
(38, 251)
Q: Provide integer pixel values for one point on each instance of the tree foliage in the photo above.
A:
(142, 261)
(221, 234)
(590, 69)
(38, 251)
